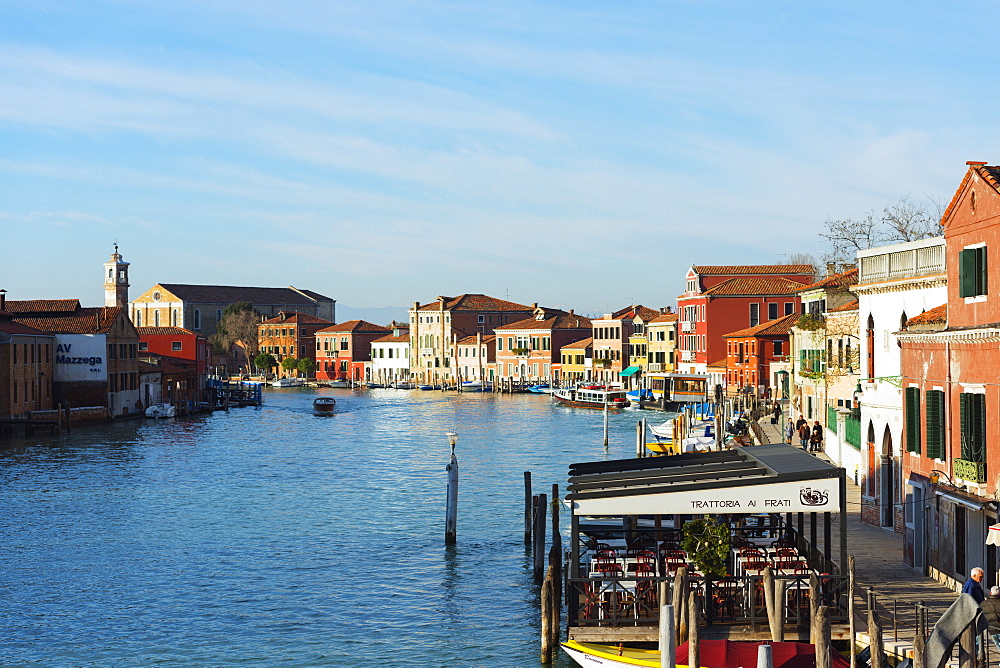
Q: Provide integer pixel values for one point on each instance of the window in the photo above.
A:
(138, 318)
(772, 311)
(911, 418)
(972, 414)
(156, 318)
(143, 346)
(175, 345)
(197, 318)
(302, 351)
(870, 339)
(754, 314)
(934, 419)
(789, 308)
(779, 348)
(972, 272)
(218, 314)
(499, 343)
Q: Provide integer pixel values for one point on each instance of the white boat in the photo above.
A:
(160, 411)
(324, 405)
(664, 430)
(403, 385)
(288, 382)
(610, 656)
(592, 396)
(339, 383)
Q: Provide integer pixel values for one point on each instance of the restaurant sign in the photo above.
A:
(804, 496)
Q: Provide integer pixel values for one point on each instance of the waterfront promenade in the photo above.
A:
(878, 559)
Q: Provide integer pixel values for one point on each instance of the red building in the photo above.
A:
(343, 350)
(175, 342)
(750, 353)
(721, 299)
(290, 334)
(527, 350)
(949, 361)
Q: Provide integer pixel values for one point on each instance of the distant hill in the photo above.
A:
(380, 316)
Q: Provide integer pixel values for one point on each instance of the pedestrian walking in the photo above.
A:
(972, 585)
(804, 434)
(816, 438)
(801, 421)
(789, 431)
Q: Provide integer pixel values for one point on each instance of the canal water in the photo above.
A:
(269, 536)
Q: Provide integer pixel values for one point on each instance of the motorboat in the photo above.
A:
(540, 388)
(288, 382)
(592, 396)
(714, 653)
(476, 386)
(161, 411)
(635, 396)
(403, 385)
(324, 405)
(340, 383)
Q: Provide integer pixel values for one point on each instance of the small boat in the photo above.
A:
(429, 387)
(476, 386)
(714, 653)
(609, 656)
(541, 388)
(160, 411)
(324, 405)
(374, 386)
(664, 430)
(635, 396)
(592, 396)
(403, 385)
(340, 383)
(288, 382)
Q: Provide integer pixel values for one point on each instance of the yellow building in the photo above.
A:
(576, 361)
(661, 346)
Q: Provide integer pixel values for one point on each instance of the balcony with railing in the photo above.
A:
(970, 471)
(925, 257)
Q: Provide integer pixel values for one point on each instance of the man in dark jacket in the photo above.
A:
(991, 611)
(972, 585)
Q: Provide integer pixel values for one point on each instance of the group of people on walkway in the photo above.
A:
(810, 438)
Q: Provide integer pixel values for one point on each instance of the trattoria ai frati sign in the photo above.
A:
(782, 497)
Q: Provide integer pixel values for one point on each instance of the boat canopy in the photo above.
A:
(630, 371)
(776, 478)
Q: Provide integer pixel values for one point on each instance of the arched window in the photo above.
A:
(870, 339)
(138, 318)
(197, 318)
(173, 317)
(156, 318)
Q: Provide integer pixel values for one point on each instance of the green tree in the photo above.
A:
(306, 366)
(289, 363)
(264, 361)
(707, 543)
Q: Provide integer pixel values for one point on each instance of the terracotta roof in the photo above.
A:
(474, 302)
(631, 311)
(403, 338)
(18, 328)
(666, 317)
(936, 315)
(295, 317)
(753, 269)
(841, 280)
(991, 175)
(42, 306)
(97, 320)
(774, 285)
(556, 321)
(471, 340)
(354, 326)
(779, 327)
(164, 331)
(721, 364)
(849, 306)
(232, 294)
(582, 343)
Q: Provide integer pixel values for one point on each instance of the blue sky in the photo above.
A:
(575, 154)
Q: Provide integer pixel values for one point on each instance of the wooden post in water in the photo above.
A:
(538, 547)
(694, 655)
(668, 650)
(555, 554)
(555, 569)
(451, 512)
(527, 507)
(850, 612)
(605, 419)
(547, 619)
(874, 633)
(966, 647)
(919, 645)
(821, 631)
(639, 428)
(779, 608)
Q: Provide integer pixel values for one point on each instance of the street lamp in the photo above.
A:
(452, 440)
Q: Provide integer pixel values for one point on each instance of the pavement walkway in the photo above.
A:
(878, 563)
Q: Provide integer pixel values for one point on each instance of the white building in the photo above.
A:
(390, 358)
(895, 283)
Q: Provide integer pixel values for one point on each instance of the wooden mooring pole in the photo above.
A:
(850, 612)
(538, 542)
(694, 653)
(668, 650)
(547, 619)
(874, 631)
(451, 512)
(527, 507)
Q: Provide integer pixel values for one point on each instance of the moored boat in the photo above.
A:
(592, 396)
(713, 653)
(160, 411)
(288, 382)
(476, 386)
(340, 383)
(324, 405)
(540, 388)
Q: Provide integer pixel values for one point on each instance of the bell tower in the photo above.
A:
(116, 281)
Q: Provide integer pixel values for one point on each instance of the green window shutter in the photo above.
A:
(981, 274)
(978, 404)
(935, 424)
(911, 415)
(967, 275)
(963, 420)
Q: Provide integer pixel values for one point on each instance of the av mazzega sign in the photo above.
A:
(79, 357)
(809, 496)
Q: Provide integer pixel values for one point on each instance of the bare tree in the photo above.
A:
(904, 220)
(238, 323)
(805, 258)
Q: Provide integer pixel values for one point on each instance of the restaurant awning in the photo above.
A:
(630, 371)
(993, 535)
(775, 478)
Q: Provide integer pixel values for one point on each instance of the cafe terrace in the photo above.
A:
(777, 503)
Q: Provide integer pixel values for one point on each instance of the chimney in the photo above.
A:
(831, 268)
(669, 309)
(571, 311)
(3, 299)
(534, 305)
(974, 162)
